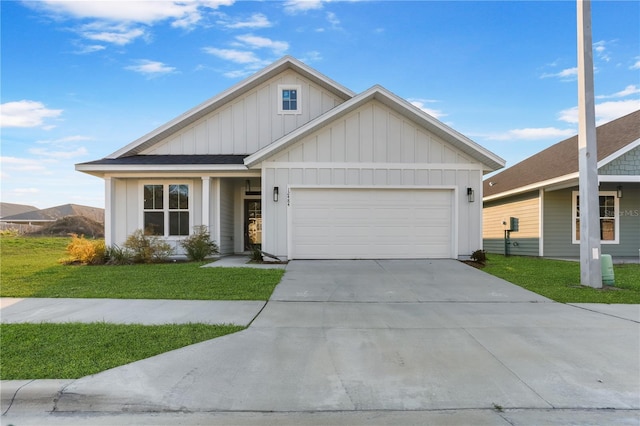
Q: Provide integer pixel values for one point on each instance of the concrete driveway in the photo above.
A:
(389, 335)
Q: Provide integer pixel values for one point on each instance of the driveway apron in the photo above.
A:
(387, 335)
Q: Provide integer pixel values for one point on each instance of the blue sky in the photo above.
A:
(80, 79)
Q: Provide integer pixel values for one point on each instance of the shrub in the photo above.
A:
(147, 248)
(199, 245)
(256, 253)
(116, 255)
(87, 252)
(479, 256)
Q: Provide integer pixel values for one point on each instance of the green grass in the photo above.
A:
(73, 350)
(30, 268)
(560, 280)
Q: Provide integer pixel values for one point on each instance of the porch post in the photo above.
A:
(109, 192)
(206, 201)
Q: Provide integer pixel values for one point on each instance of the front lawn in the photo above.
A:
(30, 268)
(73, 350)
(560, 280)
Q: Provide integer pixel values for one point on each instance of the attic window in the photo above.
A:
(289, 99)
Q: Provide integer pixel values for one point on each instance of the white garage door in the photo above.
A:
(330, 223)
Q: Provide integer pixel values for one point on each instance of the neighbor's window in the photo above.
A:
(289, 99)
(166, 209)
(608, 211)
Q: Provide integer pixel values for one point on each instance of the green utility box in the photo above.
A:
(606, 263)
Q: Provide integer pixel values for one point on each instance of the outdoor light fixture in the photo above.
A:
(275, 194)
(247, 185)
(619, 192)
(470, 195)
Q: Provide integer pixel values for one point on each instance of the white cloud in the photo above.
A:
(25, 164)
(256, 42)
(119, 34)
(65, 140)
(605, 111)
(566, 74)
(420, 103)
(83, 50)
(298, 6)
(636, 65)
(532, 133)
(120, 22)
(333, 20)
(233, 55)
(257, 20)
(26, 113)
(60, 155)
(151, 68)
(600, 49)
(627, 91)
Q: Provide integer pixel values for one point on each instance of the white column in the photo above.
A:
(206, 201)
(590, 268)
(109, 214)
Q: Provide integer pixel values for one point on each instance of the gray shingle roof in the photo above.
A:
(170, 159)
(562, 158)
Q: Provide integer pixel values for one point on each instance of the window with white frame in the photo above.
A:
(166, 209)
(289, 99)
(609, 218)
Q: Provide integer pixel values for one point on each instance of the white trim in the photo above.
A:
(541, 222)
(619, 178)
(165, 208)
(616, 216)
(619, 153)
(531, 187)
(206, 201)
(159, 167)
(218, 213)
(298, 89)
(378, 166)
(109, 214)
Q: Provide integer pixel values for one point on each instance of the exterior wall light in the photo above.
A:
(619, 192)
(275, 194)
(470, 195)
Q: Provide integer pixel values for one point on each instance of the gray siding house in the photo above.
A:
(292, 161)
(542, 192)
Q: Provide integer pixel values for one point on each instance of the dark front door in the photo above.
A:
(253, 223)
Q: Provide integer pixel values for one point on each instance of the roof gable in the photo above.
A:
(489, 160)
(561, 159)
(193, 115)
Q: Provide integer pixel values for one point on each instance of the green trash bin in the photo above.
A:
(606, 263)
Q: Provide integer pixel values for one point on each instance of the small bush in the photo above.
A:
(199, 245)
(116, 255)
(479, 256)
(86, 252)
(147, 248)
(256, 253)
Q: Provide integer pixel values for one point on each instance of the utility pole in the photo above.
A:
(590, 268)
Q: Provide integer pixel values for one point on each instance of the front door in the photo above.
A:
(253, 223)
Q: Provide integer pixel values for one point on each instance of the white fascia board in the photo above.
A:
(619, 178)
(146, 168)
(619, 153)
(211, 104)
(379, 166)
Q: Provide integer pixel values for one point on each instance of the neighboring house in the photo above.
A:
(10, 209)
(542, 192)
(297, 163)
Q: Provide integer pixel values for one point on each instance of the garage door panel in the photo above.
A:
(370, 223)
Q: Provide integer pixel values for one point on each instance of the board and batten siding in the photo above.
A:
(250, 122)
(525, 242)
(372, 147)
(226, 219)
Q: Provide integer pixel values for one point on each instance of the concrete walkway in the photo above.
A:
(375, 342)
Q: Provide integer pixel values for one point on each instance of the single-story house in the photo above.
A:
(292, 161)
(542, 193)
